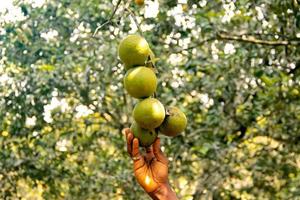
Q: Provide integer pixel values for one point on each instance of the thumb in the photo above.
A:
(158, 153)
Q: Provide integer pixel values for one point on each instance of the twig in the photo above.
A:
(253, 40)
(124, 12)
(243, 38)
(110, 18)
(135, 20)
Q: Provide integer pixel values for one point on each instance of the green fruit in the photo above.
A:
(174, 123)
(146, 137)
(149, 113)
(140, 82)
(133, 51)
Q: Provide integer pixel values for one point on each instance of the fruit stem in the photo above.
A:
(135, 20)
(109, 20)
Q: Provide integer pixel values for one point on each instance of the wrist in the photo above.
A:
(163, 192)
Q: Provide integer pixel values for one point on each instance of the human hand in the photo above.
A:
(150, 170)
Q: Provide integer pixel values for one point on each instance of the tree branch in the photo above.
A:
(110, 18)
(253, 40)
(135, 20)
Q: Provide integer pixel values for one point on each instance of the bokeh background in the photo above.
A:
(232, 66)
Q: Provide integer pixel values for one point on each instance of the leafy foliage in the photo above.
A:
(233, 67)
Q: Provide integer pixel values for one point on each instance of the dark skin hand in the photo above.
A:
(150, 170)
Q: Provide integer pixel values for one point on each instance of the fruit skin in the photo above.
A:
(140, 82)
(133, 51)
(139, 2)
(174, 123)
(149, 113)
(146, 137)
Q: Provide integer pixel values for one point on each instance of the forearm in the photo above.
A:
(164, 192)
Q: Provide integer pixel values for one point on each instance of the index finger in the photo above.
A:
(126, 131)
(129, 138)
(139, 162)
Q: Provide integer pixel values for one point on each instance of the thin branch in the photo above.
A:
(135, 20)
(244, 38)
(264, 35)
(110, 18)
(253, 40)
(124, 14)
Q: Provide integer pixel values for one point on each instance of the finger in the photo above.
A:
(149, 153)
(158, 153)
(135, 147)
(125, 131)
(139, 161)
(129, 143)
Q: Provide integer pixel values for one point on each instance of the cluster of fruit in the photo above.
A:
(150, 116)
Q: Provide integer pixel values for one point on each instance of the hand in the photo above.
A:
(150, 170)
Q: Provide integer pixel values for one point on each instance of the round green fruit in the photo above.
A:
(174, 123)
(133, 51)
(149, 113)
(140, 82)
(146, 137)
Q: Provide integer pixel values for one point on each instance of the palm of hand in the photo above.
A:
(151, 170)
(152, 174)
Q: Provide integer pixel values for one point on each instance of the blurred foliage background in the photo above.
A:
(232, 66)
